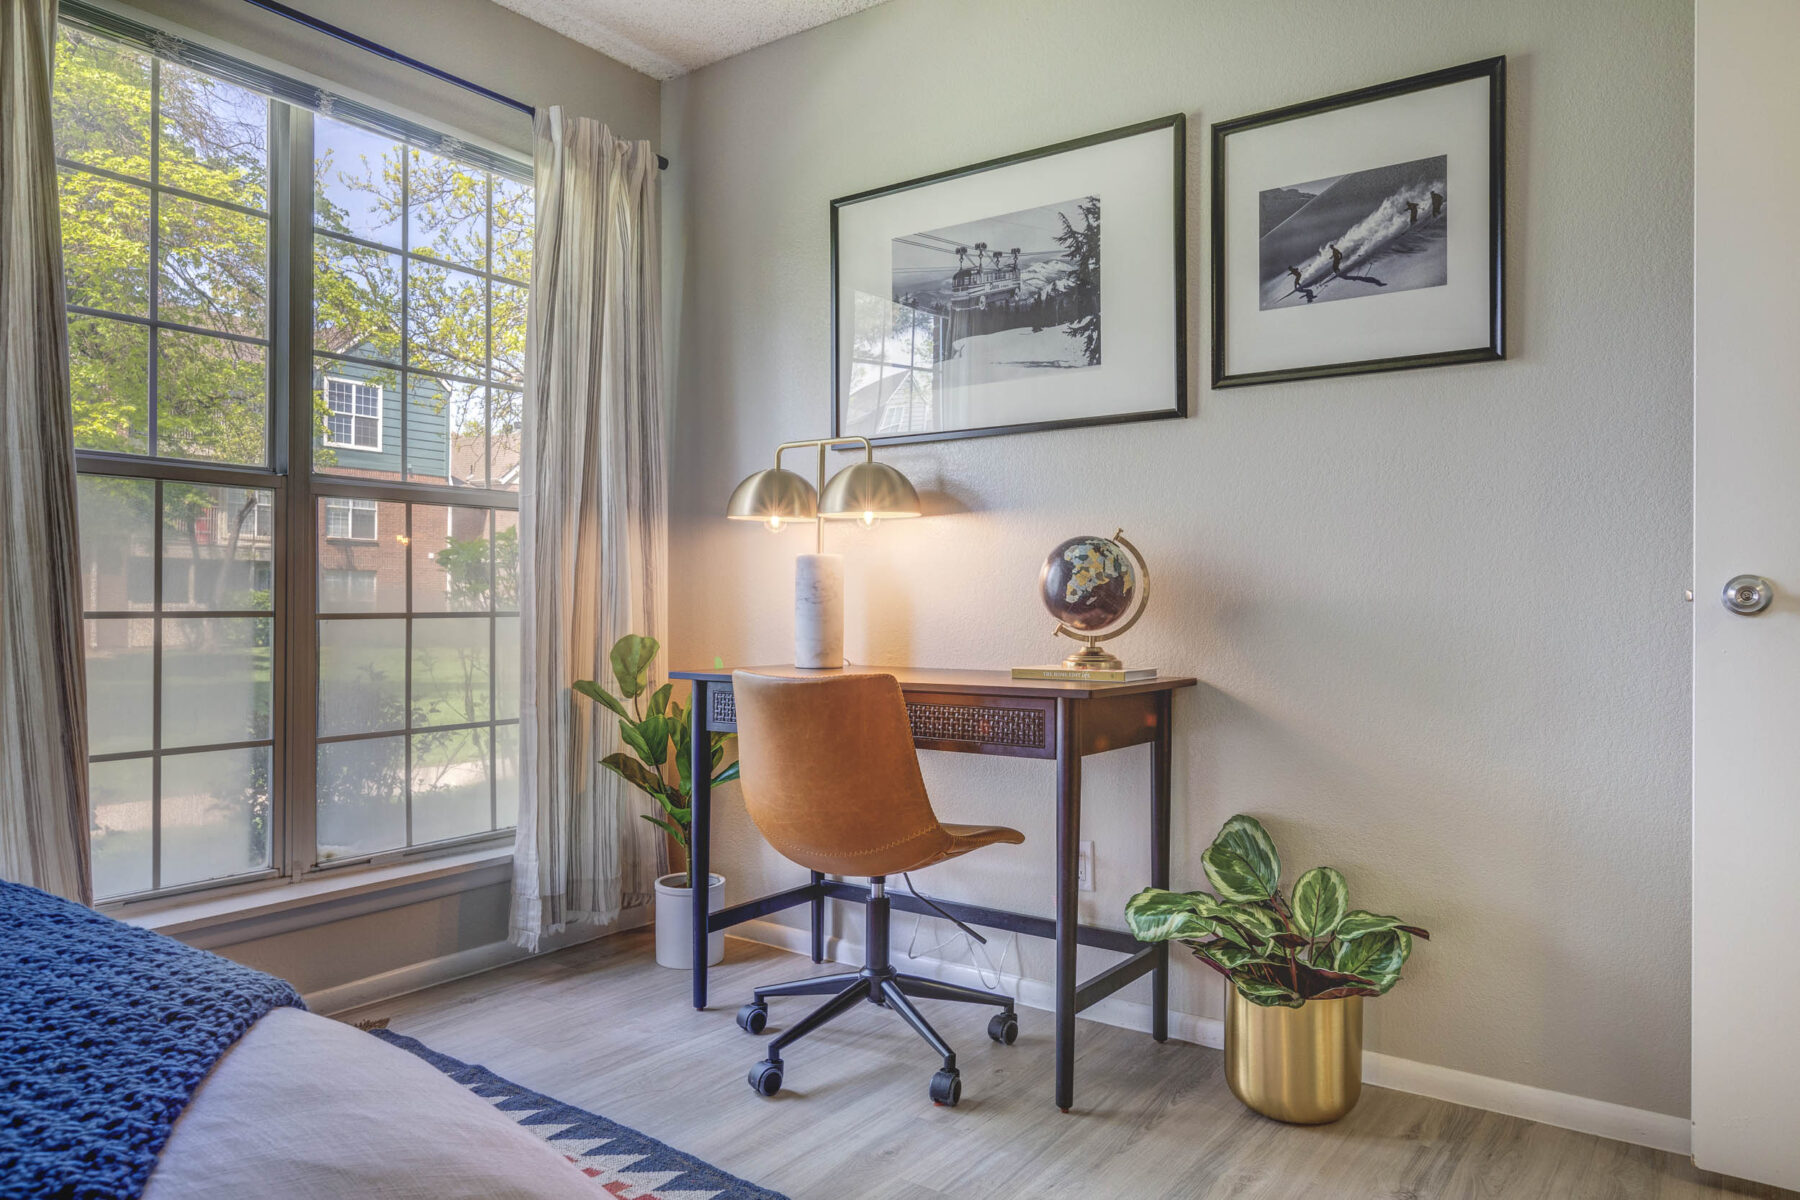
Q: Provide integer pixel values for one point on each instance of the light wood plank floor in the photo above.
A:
(601, 1026)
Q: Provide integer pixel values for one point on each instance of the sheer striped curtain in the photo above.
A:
(43, 712)
(593, 515)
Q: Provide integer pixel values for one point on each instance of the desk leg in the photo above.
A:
(818, 920)
(700, 833)
(1160, 806)
(1068, 914)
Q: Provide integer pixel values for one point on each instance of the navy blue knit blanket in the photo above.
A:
(105, 1032)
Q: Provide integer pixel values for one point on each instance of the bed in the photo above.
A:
(132, 1065)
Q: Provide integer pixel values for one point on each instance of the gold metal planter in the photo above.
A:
(1300, 1065)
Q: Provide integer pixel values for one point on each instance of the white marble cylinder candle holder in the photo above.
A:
(819, 610)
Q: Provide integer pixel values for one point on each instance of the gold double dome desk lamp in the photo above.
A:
(869, 491)
(865, 491)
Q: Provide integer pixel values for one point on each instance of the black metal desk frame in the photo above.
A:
(984, 712)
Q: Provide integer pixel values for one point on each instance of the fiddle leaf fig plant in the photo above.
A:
(1276, 949)
(656, 730)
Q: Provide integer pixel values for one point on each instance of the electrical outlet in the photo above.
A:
(1084, 867)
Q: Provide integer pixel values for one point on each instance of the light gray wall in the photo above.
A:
(476, 39)
(483, 42)
(1438, 613)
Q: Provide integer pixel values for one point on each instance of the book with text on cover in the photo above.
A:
(1127, 675)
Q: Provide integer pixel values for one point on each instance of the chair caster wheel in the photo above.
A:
(753, 1017)
(1004, 1028)
(946, 1088)
(765, 1078)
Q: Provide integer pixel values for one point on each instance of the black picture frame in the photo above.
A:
(1491, 69)
(1177, 123)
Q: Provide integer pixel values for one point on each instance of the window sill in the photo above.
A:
(213, 921)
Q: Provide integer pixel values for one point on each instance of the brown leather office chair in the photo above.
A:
(831, 778)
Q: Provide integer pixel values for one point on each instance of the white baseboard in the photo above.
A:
(461, 964)
(1635, 1125)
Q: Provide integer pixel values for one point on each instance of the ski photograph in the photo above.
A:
(1011, 294)
(969, 302)
(1352, 235)
(1348, 197)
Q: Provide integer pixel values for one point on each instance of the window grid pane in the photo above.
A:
(440, 673)
(181, 694)
(204, 264)
(422, 260)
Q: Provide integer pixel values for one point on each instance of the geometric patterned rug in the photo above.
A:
(623, 1163)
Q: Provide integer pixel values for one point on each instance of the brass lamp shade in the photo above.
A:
(774, 495)
(869, 491)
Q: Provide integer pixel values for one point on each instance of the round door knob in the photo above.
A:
(1748, 594)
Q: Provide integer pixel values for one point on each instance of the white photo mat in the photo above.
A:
(1459, 317)
(1136, 179)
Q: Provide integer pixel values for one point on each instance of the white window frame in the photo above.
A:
(354, 415)
(349, 506)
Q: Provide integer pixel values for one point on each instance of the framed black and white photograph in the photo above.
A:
(1362, 232)
(981, 301)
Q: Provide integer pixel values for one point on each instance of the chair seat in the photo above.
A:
(973, 837)
(964, 838)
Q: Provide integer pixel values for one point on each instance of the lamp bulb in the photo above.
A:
(868, 518)
(774, 524)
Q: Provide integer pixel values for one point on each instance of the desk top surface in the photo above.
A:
(960, 683)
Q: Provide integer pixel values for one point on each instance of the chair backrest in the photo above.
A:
(830, 775)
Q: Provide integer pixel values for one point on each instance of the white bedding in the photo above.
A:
(310, 1109)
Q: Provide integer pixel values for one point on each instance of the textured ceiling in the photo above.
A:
(665, 38)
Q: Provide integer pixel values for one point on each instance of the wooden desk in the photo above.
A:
(984, 712)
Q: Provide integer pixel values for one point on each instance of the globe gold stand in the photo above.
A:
(1091, 657)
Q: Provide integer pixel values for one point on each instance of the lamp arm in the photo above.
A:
(824, 444)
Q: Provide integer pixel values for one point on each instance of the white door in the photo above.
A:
(1746, 957)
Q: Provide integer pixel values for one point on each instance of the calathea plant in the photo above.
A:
(656, 732)
(1274, 948)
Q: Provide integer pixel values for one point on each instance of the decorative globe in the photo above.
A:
(1088, 583)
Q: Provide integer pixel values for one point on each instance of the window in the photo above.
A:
(237, 526)
(345, 590)
(894, 364)
(351, 520)
(418, 681)
(354, 419)
(262, 519)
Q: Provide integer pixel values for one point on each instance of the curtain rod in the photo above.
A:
(392, 55)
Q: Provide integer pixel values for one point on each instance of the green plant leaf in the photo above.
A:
(679, 836)
(1266, 994)
(726, 776)
(659, 703)
(1231, 956)
(1260, 922)
(634, 738)
(631, 656)
(1377, 957)
(636, 774)
(1359, 923)
(1241, 862)
(1203, 953)
(684, 765)
(594, 691)
(1155, 915)
(655, 733)
(1321, 897)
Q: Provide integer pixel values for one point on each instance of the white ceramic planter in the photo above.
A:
(675, 921)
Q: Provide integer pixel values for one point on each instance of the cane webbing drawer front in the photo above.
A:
(721, 707)
(1000, 725)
